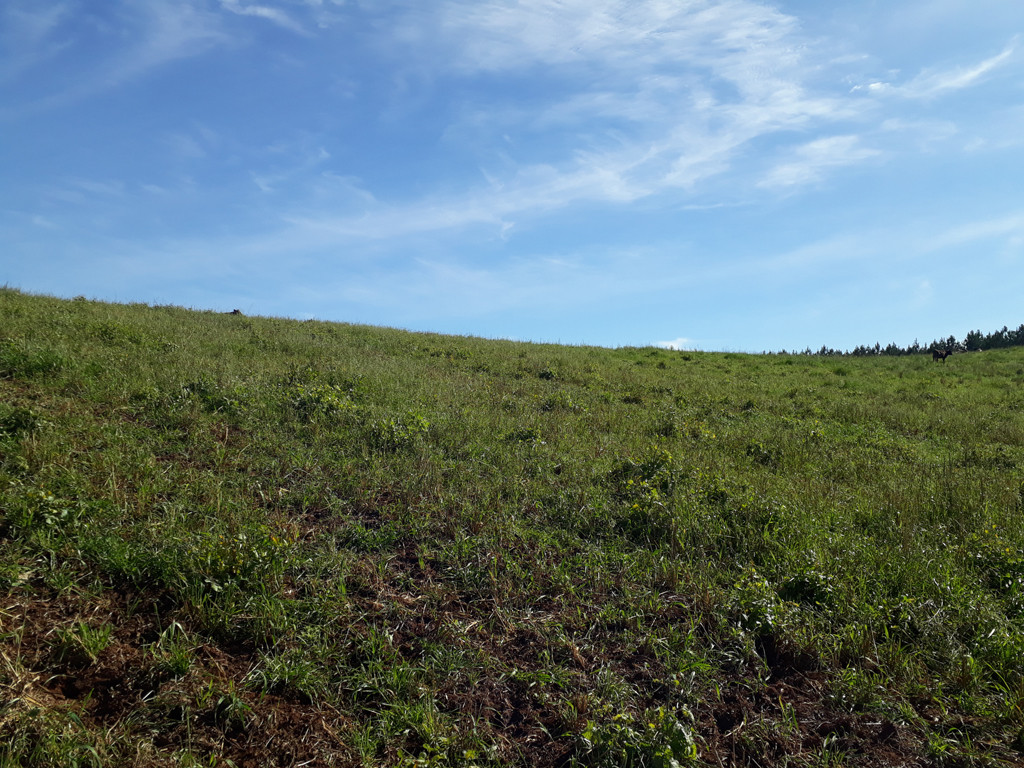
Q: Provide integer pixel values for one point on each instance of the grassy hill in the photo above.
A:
(247, 541)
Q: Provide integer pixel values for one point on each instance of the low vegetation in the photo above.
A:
(234, 541)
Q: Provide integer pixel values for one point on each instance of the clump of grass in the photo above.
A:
(80, 644)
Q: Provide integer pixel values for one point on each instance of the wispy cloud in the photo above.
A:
(1009, 227)
(274, 15)
(297, 167)
(185, 146)
(158, 31)
(494, 35)
(875, 87)
(28, 35)
(82, 191)
(646, 98)
(931, 83)
(926, 134)
(808, 163)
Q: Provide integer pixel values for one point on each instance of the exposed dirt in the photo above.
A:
(211, 709)
(123, 689)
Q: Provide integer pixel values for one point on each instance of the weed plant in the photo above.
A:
(239, 541)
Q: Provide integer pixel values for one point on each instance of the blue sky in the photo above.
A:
(713, 174)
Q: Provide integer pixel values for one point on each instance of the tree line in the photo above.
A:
(974, 341)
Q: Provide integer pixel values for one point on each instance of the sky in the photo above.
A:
(731, 175)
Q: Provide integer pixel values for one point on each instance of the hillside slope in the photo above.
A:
(250, 541)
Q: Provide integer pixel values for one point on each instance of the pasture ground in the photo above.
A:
(235, 541)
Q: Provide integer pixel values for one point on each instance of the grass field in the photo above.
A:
(234, 541)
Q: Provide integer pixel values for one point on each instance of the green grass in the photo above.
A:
(233, 541)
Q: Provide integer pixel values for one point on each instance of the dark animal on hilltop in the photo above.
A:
(941, 354)
(234, 312)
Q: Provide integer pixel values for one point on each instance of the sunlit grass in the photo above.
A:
(454, 551)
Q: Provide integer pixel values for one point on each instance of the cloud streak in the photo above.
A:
(647, 99)
(650, 99)
(27, 35)
(274, 15)
(810, 162)
(934, 83)
(159, 31)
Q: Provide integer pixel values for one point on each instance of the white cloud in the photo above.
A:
(681, 343)
(157, 32)
(927, 135)
(81, 191)
(876, 87)
(274, 15)
(923, 294)
(164, 32)
(1007, 227)
(96, 187)
(932, 83)
(295, 165)
(653, 97)
(27, 35)
(185, 146)
(695, 83)
(809, 162)
(45, 223)
(495, 35)
(996, 130)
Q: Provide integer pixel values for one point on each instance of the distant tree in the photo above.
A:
(974, 341)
